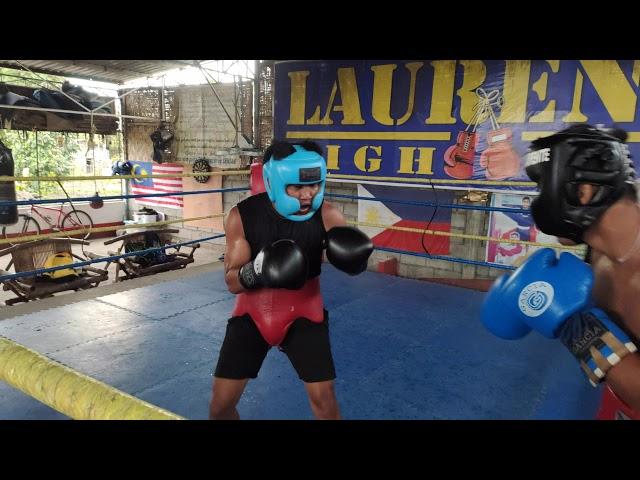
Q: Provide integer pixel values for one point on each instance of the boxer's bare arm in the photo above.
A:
(331, 216)
(238, 251)
(624, 380)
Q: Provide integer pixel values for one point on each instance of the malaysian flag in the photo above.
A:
(157, 185)
(389, 213)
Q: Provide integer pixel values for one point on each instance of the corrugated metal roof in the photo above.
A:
(113, 71)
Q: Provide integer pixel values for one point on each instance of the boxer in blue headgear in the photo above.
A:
(300, 166)
(273, 260)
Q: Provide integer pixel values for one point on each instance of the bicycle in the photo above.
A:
(72, 220)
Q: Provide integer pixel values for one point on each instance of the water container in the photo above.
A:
(145, 215)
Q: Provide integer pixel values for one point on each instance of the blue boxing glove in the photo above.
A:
(553, 296)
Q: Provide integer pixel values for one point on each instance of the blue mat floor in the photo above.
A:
(403, 349)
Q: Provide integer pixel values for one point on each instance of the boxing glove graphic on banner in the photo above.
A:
(458, 158)
(500, 159)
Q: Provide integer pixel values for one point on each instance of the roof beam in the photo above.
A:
(97, 71)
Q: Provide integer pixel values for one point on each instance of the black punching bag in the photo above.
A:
(8, 213)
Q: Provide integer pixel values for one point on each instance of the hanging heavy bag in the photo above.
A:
(256, 180)
(8, 213)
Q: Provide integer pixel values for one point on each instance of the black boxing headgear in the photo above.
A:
(561, 162)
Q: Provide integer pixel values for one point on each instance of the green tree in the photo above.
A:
(53, 153)
(28, 79)
(45, 154)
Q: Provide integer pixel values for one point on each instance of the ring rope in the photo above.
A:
(448, 259)
(428, 204)
(109, 258)
(7, 178)
(68, 233)
(4, 203)
(335, 176)
(467, 236)
(68, 391)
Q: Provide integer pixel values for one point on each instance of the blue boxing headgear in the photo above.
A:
(121, 168)
(300, 168)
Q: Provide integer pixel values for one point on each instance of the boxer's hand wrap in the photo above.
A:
(596, 342)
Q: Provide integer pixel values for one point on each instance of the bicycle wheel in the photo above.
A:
(75, 220)
(26, 226)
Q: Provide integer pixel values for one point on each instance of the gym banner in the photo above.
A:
(456, 123)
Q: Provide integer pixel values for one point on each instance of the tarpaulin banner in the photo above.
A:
(459, 123)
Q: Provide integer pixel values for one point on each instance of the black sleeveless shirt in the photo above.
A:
(263, 225)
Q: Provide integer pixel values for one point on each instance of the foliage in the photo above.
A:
(44, 154)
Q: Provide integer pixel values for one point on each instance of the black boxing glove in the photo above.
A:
(348, 249)
(280, 265)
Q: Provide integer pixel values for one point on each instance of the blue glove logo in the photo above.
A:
(535, 298)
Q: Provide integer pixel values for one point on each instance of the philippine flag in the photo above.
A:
(386, 212)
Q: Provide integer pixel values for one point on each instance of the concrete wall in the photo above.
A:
(229, 199)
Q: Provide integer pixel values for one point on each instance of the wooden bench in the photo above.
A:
(136, 266)
(30, 256)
